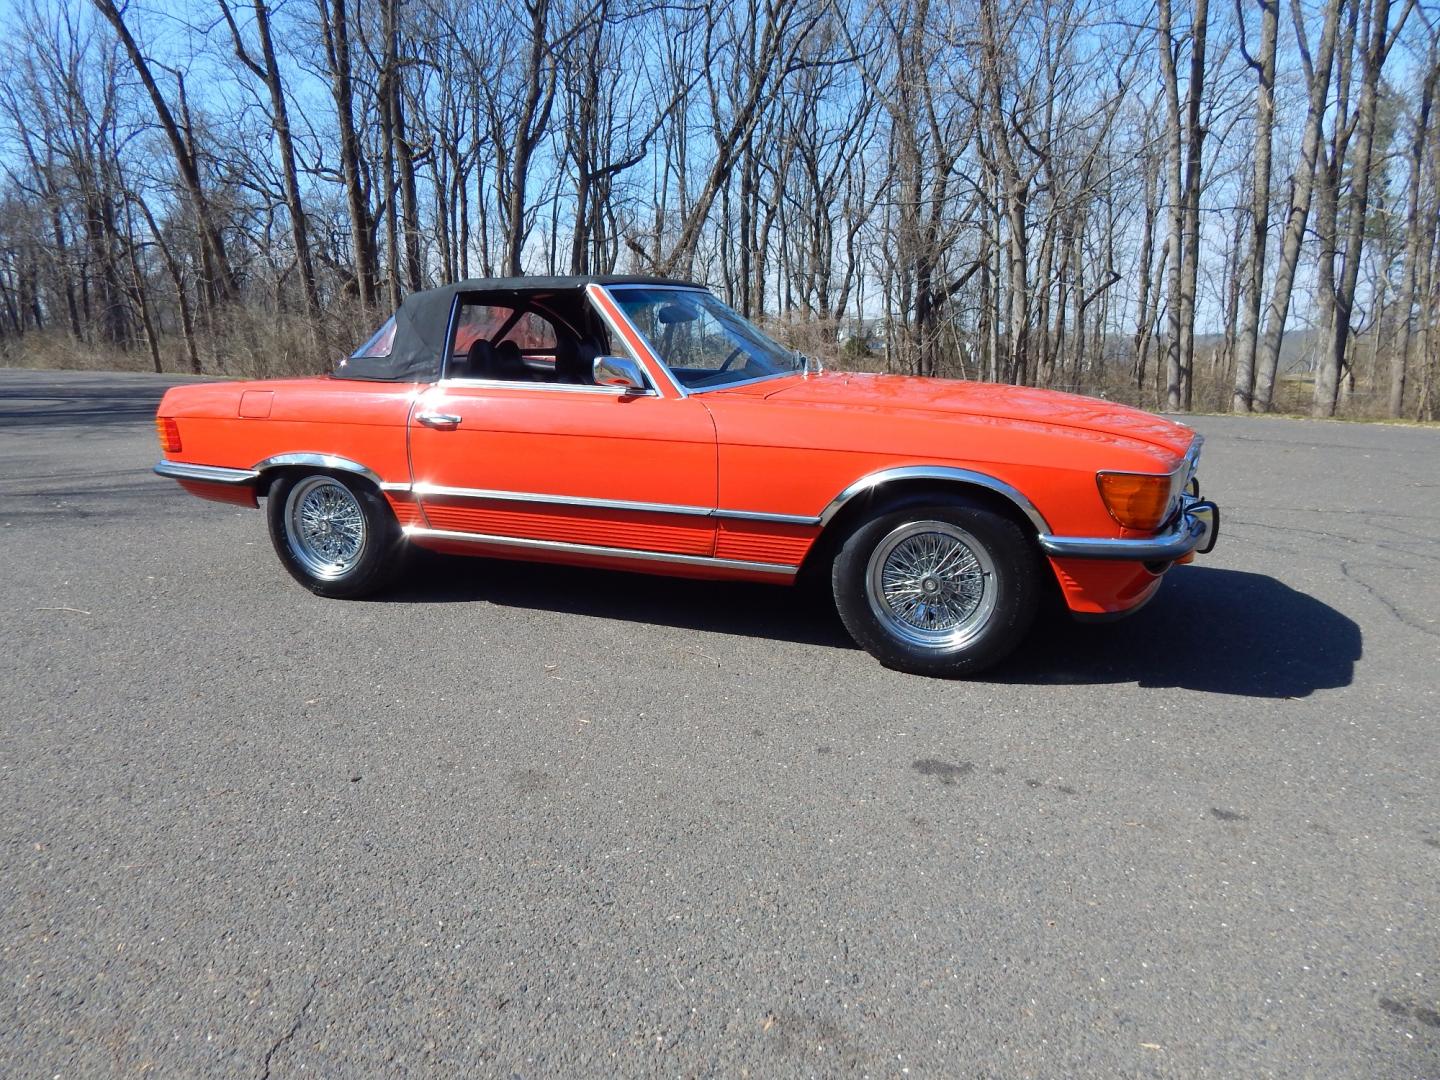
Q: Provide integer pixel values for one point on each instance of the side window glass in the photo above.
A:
(533, 334)
(499, 341)
(476, 322)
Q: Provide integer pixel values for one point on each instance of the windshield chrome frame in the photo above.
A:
(686, 391)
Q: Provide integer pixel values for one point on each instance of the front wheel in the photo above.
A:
(336, 537)
(938, 588)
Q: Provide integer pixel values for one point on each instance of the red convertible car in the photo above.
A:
(639, 423)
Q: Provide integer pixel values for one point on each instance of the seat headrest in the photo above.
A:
(479, 360)
(575, 360)
(509, 364)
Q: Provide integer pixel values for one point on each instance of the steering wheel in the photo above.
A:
(735, 354)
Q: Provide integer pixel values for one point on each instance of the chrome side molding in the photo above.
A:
(438, 491)
(416, 531)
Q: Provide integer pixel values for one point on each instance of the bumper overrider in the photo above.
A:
(1193, 530)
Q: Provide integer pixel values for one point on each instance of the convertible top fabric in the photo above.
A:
(423, 323)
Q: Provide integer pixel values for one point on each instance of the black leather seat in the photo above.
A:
(575, 360)
(503, 362)
(509, 364)
(479, 360)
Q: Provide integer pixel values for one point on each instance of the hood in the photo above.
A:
(957, 397)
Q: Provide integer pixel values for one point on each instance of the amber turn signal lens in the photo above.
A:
(1137, 501)
(169, 433)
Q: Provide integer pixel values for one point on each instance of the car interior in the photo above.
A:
(544, 338)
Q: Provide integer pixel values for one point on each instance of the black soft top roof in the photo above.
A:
(423, 321)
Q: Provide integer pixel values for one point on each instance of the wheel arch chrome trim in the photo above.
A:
(944, 473)
(333, 462)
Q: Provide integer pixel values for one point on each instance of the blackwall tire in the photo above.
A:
(938, 587)
(336, 536)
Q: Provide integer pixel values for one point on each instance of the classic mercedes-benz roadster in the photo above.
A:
(640, 424)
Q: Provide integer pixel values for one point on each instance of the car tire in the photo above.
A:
(943, 588)
(335, 535)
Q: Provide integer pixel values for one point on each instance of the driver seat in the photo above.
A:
(479, 360)
(575, 360)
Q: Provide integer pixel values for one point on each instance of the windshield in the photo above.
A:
(703, 342)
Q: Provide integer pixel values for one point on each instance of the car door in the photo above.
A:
(556, 465)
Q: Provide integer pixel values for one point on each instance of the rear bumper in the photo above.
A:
(1195, 529)
(205, 474)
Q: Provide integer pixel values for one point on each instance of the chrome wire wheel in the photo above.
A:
(326, 526)
(931, 584)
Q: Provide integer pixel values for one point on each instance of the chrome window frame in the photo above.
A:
(463, 383)
(685, 391)
(652, 361)
(448, 381)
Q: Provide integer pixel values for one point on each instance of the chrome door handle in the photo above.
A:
(439, 421)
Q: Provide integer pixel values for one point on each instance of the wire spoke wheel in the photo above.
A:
(931, 584)
(326, 526)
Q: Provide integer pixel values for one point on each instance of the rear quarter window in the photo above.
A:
(379, 344)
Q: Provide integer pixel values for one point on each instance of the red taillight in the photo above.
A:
(169, 433)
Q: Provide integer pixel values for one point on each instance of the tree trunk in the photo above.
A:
(1376, 49)
(334, 25)
(1302, 186)
(1414, 231)
(1174, 151)
(1253, 275)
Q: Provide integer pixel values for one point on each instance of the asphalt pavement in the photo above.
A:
(524, 821)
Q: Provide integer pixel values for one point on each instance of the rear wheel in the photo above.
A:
(335, 536)
(937, 588)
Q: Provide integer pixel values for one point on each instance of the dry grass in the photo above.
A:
(247, 343)
(243, 342)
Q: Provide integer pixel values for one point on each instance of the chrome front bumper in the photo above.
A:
(1195, 528)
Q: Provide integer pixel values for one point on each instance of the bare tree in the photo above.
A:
(220, 277)
(267, 70)
(1302, 187)
(1253, 274)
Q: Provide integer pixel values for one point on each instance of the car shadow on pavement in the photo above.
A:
(1208, 629)
(1219, 631)
(732, 607)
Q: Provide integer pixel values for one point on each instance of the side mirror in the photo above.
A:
(619, 371)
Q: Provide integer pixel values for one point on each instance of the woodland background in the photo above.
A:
(1228, 206)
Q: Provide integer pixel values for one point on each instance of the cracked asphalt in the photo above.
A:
(534, 822)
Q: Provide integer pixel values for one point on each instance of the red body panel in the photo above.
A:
(236, 495)
(574, 445)
(364, 422)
